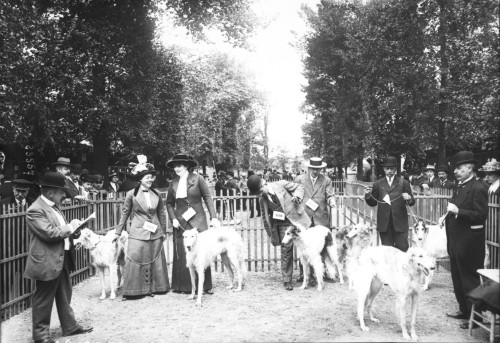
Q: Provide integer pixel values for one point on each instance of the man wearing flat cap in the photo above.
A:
(20, 188)
(51, 258)
(465, 219)
(391, 194)
(281, 208)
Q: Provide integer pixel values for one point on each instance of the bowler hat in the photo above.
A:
(88, 178)
(463, 157)
(390, 161)
(98, 178)
(253, 184)
(443, 168)
(113, 173)
(21, 184)
(76, 168)
(182, 159)
(54, 180)
(62, 161)
(316, 162)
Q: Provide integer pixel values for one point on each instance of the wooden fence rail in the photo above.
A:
(239, 211)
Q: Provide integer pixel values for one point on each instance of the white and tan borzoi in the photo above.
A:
(312, 244)
(353, 240)
(403, 272)
(202, 249)
(105, 255)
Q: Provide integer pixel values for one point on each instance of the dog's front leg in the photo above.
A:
(318, 269)
(192, 274)
(306, 268)
(103, 285)
(401, 305)
(415, 299)
(113, 280)
(201, 280)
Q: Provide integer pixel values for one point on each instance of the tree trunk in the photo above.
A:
(360, 172)
(443, 91)
(102, 143)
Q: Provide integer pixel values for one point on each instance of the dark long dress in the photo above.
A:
(197, 190)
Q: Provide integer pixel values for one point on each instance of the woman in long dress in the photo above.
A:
(185, 209)
(146, 270)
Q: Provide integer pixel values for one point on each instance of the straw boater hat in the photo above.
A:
(463, 157)
(182, 158)
(316, 162)
(54, 180)
(430, 167)
(390, 161)
(62, 161)
(142, 168)
(492, 166)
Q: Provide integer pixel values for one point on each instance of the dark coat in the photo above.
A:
(73, 189)
(220, 188)
(397, 208)
(447, 185)
(46, 248)
(12, 201)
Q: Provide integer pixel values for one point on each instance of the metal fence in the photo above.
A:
(239, 211)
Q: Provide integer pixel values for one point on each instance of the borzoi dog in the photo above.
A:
(353, 240)
(312, 244)
(403, 272)
(202, 249)
(105, 255)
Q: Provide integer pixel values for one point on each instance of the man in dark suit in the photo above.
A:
(20, 189)
(221, 190)
(442, 180)
(51, 257)
(280, 208)
(466, 216)
(392, 194)
(429, 180)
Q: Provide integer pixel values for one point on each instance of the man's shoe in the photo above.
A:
(288, 286)
(465, 326)
(300, 278)
(44, 340)
(458, 315)
(80, 330)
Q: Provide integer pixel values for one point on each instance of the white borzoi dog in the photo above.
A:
(202, 249)
(105, 255)
(353, 240)
(312, 244)
(403, 272)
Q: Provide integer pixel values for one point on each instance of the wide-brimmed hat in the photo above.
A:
(22, 184)
(463, 157)
(492, 166)
(62, 161)
(390, 161)
(443, 168)
(54, 180)
(76, 168)
(253, 184)
(139, 170)
(430, 167)
(181, 158)
(315, 162)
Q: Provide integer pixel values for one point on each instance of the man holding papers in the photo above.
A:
(391, 193)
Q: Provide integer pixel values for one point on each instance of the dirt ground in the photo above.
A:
(262, 312)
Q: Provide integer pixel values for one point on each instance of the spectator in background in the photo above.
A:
(98, 185)
(442, 180)
(253, 203)
(221, 190)
(20, 188)
(74, 174)
(88, 191)
(429, 180)
(114, 185)
(417, 177)
(492, 171)
(63, 167)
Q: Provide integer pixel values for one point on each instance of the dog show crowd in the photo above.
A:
(291, 206)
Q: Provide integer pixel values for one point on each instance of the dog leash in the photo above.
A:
(141, 263)
(175, 238)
